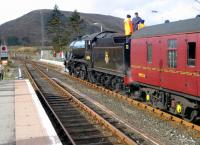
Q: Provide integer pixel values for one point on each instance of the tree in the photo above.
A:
(57, 29)
(76, 24)
(25, 41)
(13, 40)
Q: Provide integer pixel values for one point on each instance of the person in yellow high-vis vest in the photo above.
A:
(141, 25)
(128, 26)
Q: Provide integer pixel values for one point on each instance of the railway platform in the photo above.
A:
(23, 121)
(58, 63)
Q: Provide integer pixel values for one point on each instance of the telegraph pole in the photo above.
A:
(42, 33)
(42, 28)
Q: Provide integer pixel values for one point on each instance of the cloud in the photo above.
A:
(80, 5)
(12, 9)
(167, 9)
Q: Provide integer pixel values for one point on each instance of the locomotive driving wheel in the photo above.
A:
(70, 70)
(91, 77)
(76, 71)
(113, 83)
(83, 72)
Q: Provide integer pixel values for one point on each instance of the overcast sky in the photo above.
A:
(167, 9)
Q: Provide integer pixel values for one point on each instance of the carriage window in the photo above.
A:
(149, 53)
(172, 58)
(172, 43)
(191, 56)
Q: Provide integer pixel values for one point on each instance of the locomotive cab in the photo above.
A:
(108, 54)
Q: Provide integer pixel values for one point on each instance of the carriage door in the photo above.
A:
(191, 64)
(153, 66)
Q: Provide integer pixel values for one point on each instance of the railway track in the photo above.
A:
(79, 120)
(162, 114)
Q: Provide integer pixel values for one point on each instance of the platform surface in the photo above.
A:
(23, 120)
(7, 111)
(58, 63)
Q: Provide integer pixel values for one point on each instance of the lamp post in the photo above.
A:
(99, 25)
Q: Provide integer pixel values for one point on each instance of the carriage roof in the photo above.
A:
(182, 26)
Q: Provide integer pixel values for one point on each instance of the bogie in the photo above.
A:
(174, 104)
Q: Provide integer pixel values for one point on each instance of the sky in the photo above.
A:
(172, 10)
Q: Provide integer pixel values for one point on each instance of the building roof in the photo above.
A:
(182, 26)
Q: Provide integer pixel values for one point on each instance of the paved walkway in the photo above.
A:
(23, 121)
(59, 63)
(7, 121)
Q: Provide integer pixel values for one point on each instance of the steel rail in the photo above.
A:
(100, 120)
(162, 114)
(35, 86)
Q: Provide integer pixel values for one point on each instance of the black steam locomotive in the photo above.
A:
(100, 58)
(161, 66)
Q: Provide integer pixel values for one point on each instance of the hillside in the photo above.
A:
(28, 27)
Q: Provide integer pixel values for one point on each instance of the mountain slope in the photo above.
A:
(28, 27)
